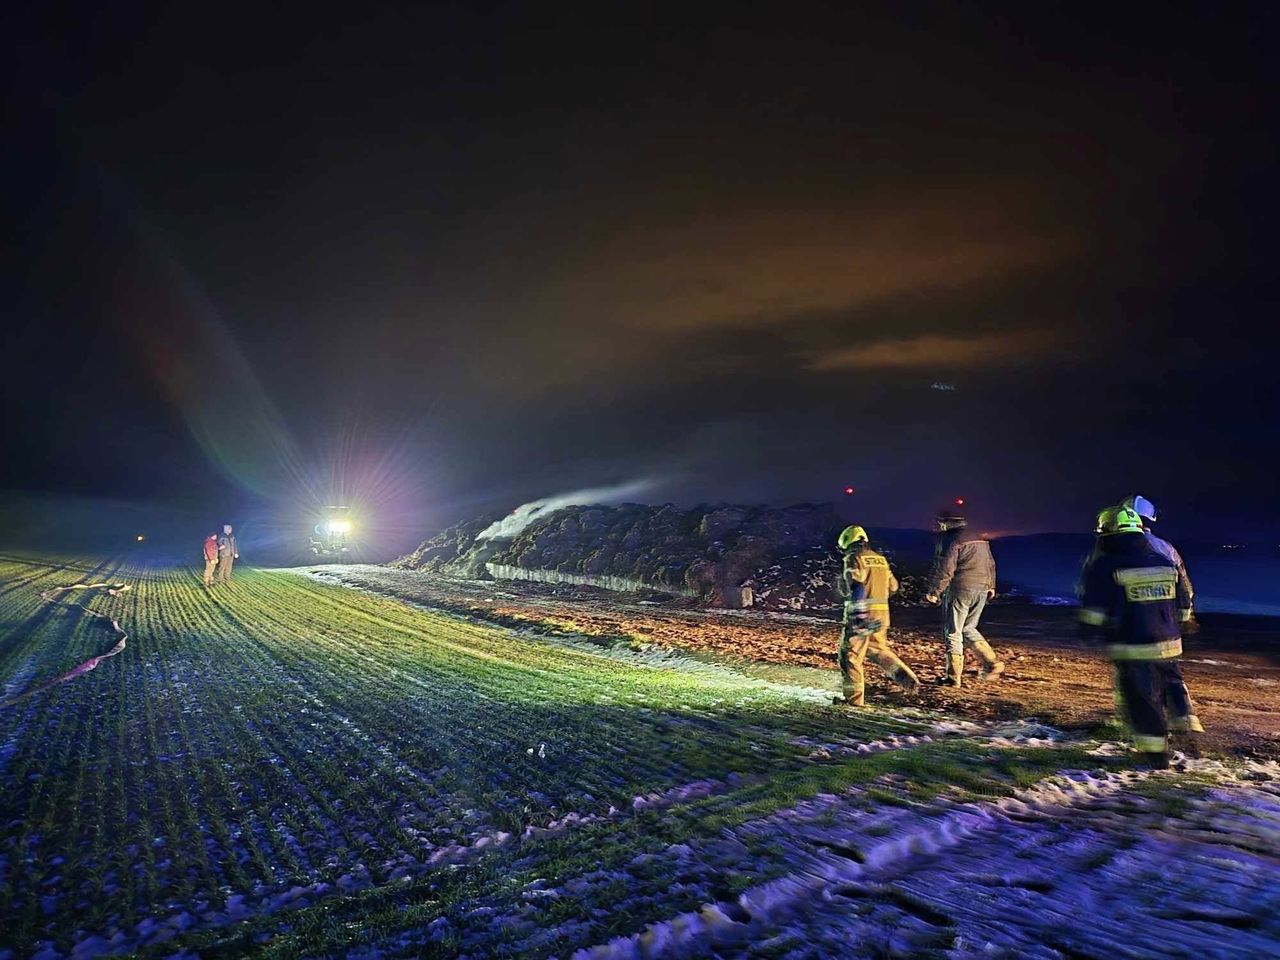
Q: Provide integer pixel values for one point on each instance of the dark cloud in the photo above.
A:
(514, 249)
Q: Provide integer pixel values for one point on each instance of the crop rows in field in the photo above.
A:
(281, 741)
(302, 769)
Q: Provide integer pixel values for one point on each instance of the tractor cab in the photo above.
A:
(331, 537)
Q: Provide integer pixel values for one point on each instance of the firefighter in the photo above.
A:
(866, 582)
(228, 553)
(210, 558)
(963, 579)
(1182, 711)
(1135, 599)
(1145, 509)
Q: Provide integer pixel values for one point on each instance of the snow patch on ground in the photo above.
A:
(975, 879)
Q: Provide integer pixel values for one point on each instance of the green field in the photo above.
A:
(300, 769)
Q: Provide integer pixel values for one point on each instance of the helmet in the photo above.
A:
(1106, 522)
(849, 536)
(949, 518)
(1127, 521)
(1141, 506)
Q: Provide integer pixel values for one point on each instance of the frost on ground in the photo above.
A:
(1078, 865)
(301, 769)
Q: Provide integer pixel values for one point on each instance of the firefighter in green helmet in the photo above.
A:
(866, 582)
(1135, 600)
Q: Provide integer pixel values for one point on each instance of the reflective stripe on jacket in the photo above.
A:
(1134, 595)
(870, 570)
(1168, 550)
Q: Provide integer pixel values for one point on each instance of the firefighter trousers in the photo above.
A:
(854, 650)
(1144, 688)
(209, 566)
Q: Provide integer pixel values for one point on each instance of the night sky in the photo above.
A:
(448, 258)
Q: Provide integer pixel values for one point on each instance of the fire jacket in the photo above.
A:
(962, 560)
(869, 570)
(1133, 595)
(1169, 551)
(1162, 547)
(227, 546)
(211, 548)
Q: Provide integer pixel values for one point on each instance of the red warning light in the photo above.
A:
(959, 501)
(848, 491)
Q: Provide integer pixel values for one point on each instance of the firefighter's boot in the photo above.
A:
(895, 670)
(955, 667)
(992, 666)
(1154, 760)
(905, 677)
(853, 690)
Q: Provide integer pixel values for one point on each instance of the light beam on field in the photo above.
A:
(194, 357)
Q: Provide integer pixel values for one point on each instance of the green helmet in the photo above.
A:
(851, 535)
(1127, 521)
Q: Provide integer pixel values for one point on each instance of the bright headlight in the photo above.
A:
(339, 526)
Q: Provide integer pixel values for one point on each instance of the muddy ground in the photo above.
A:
(1232, 665)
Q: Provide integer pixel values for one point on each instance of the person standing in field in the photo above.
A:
(963, 579)
(866, 582)
(1135, 598)
(210, 558)
(1177, 698)
(228, 553)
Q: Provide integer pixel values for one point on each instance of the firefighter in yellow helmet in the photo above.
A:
(866, 582)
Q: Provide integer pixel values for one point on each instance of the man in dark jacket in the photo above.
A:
(228, 553)
(1134, 598)
(963, 579)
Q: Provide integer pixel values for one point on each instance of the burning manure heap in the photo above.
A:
(728, 555)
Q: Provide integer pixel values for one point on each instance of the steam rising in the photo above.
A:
(523, 515)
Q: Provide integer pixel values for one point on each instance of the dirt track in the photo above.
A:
(1232, 665)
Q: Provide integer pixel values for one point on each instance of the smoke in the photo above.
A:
(523, 515)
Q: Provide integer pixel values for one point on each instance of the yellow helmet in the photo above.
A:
(1106, 522)
(1127, 521)
(851, 535)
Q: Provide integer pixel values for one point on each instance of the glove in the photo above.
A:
(932, 599)
(991, 594)
(1190, 627)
